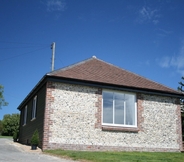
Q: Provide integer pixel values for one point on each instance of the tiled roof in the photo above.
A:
(98, 71)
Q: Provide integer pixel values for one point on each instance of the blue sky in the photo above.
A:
(143, 36)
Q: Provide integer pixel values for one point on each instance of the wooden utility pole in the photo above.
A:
(53, 55)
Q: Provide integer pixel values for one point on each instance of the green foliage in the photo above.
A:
(119, 156)
(35, 138)
(180, 88)
(1, 127)
(2, 100)
(10, 124)
(15, 135)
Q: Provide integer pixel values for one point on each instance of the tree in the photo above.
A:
(1, 127)
(2, 100)
(10, 124)
(180, 88)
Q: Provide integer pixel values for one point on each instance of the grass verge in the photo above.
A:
(119, 156)
(6, 137)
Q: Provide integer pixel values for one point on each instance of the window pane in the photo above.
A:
(25, 115)
(34, 108)
(119, 108)
(107, 107)
(130, 109)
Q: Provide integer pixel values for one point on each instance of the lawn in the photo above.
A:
(6, 137)
(119, 156)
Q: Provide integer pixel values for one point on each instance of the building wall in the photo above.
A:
(26, 131)
(73, 121)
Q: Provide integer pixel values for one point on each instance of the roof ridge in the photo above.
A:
(72, 65)
(150, 80)
(137, 74)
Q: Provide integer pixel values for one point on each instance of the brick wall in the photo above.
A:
(48, 111)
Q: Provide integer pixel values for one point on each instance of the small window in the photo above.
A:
(119, 109)
(34, 107)
(25, 115)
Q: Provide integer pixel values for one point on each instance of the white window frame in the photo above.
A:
(34, 108)
(25, 115)
(120, 125)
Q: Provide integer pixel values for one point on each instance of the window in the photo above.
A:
(25, 115)
(119, 109)
(34, 108)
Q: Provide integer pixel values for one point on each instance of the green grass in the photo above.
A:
(119, 156)
(6, 137)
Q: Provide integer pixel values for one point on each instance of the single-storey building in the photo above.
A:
(94, 105)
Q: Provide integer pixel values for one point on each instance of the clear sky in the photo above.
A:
(143, 36)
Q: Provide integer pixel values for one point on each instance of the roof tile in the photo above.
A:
(99, 71)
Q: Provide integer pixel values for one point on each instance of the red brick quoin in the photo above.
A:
(48, 111)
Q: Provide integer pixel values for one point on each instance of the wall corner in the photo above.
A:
(49, 99)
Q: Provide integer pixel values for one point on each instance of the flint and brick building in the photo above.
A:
(94, 105)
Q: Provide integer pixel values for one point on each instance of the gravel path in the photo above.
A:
(14, 152)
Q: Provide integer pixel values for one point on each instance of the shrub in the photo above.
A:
(35, 138)
(15, 135)
(1, 127)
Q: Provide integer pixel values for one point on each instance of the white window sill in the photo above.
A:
(33, 119)
(119, 128)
